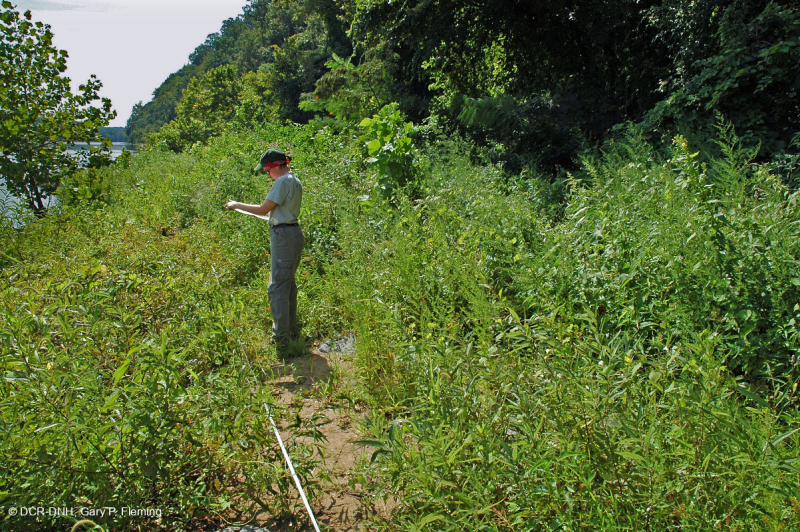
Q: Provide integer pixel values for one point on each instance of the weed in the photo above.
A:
(630, 363)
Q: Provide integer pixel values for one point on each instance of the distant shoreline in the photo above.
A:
(8, 201)
(116, 148)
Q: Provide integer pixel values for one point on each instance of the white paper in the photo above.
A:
(254, 215)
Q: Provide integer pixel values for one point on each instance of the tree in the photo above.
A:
(207, 105)
(738, 58)
(352, 92)
(39, 115)
(149, 118)
(602, 52)
(535, 80)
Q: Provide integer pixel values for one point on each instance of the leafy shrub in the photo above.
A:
(631, 364)
(578, 433)
(747, 74)
(206, 105)
(124, 388)
(544, 130)
(351, 92)
(130, 361)
(596, 373)
(717, 239)
(388, 146)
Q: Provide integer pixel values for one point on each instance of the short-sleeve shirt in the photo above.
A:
(287, 194)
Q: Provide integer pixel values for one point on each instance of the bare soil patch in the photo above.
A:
(303, 386)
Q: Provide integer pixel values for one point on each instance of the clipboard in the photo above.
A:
(253, 215)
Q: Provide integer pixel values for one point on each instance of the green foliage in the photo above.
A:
(572, 439)
(746, 72)
(257, 104)
(84, 187)
(714, 239)
(352, 92)
(149, 118)
(616, 349)
(132, 346)
(278, 51)
(207, 105)
(532, 84)
(602, 62)
(388, 146)
(296, 65)
(573, 70)
(114, 134)
(39, 115)
(425, 269)
(243, 42)
(632, 367)
(632, 364)
(539, 131)
(133, 401)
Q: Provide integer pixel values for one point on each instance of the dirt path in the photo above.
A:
(307, 387)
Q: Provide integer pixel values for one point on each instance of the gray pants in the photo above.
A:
(286, 247)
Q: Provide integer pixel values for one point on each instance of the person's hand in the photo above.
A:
(231, 205)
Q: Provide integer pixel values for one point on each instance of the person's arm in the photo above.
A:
(261, 210)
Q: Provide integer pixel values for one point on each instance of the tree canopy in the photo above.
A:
(535, 82)
(39, 115)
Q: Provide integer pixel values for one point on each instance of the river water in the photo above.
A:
(9, 202)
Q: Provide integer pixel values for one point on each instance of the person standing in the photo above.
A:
(286, 243)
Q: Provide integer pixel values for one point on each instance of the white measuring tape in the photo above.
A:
(291, 469)
(285, 452)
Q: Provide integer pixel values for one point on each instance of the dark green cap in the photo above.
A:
(271, 157)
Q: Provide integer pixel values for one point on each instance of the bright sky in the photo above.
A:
(130, 45)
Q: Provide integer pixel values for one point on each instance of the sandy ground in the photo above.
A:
(300, 386)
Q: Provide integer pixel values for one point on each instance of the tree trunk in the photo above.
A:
(35, 198)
